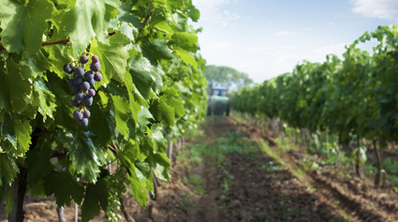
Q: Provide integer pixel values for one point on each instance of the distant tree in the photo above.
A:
(226, 77)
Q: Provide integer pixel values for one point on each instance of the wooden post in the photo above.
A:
(378, 174)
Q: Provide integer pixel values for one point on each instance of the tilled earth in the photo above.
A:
(254, 187)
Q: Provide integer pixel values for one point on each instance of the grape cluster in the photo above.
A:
(81, 84)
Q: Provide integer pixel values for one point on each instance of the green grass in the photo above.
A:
(198, 183)
(193, 155)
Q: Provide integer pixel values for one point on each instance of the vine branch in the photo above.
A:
(62, 42)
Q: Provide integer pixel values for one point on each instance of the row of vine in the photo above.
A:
(353, 98)
(152, 88)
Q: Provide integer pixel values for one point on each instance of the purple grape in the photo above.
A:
(79, 71)
(75, 103)
(71, 82)
(79, 96)
(89, 75)
(86, 113)
(83, 121)
(75, 113)
(84, 59)
(98, 77)
(88, 101)
(85, 86)
(68, 69)
(75, 89)
(92, 82)
(91, 92)
(95, 67)
(78, 81)
(78, 115)
(94, 59)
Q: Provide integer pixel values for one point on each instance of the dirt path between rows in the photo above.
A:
(252, 187)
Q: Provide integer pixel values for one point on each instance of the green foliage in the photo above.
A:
(153, 87)
(226, 77)
(355, 96)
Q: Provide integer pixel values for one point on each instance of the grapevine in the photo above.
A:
(353, 98)
(128, 71)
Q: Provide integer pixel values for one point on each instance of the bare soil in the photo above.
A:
(260, 188)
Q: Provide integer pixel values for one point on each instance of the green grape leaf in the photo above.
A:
(24, 130)
(102, 123)
(14, 89)
(134, 105)
(43, 99)
(138, 185)
(86, 158)
(186, 57)
(194, 13)
(143, 119)
(96, 196)
(162, 111)
(122, 110)
(8, 169)
(17, 21)
(174, 101)
(186, 41)
(157, 49)
(17, 132)
(164, 27)
(113, 58)
(57, 60)
(159, 141)
(160, 164)
(144, 171)
(126, 15)
(65, 188)
(8, 134)
(146, 77)
(178, 21)
(87, 20)
(136, 179)
(39, 165)
(128, 31)
(64, 4)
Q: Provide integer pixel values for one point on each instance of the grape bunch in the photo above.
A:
(81, 84)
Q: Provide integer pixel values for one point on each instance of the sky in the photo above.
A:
(266, 38)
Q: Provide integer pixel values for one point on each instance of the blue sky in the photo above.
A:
(265, 38)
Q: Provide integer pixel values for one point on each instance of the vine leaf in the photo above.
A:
(112, 57)
(136, 178)
(43, 99)
(87, 20)
(122, 111)
(85, 157)
(14, 90)
(157, 49)
(8, 169)
(102, 124)
(146, 78)
(16, 132)
(24, 24)
(64, 186)
(96, 196)
(160, 163)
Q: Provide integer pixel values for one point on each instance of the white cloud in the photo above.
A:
(231, 17)
(213, 11)
(319, 54)
(331, 23)
(383, 9)
(285, 33)
(206, 4)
